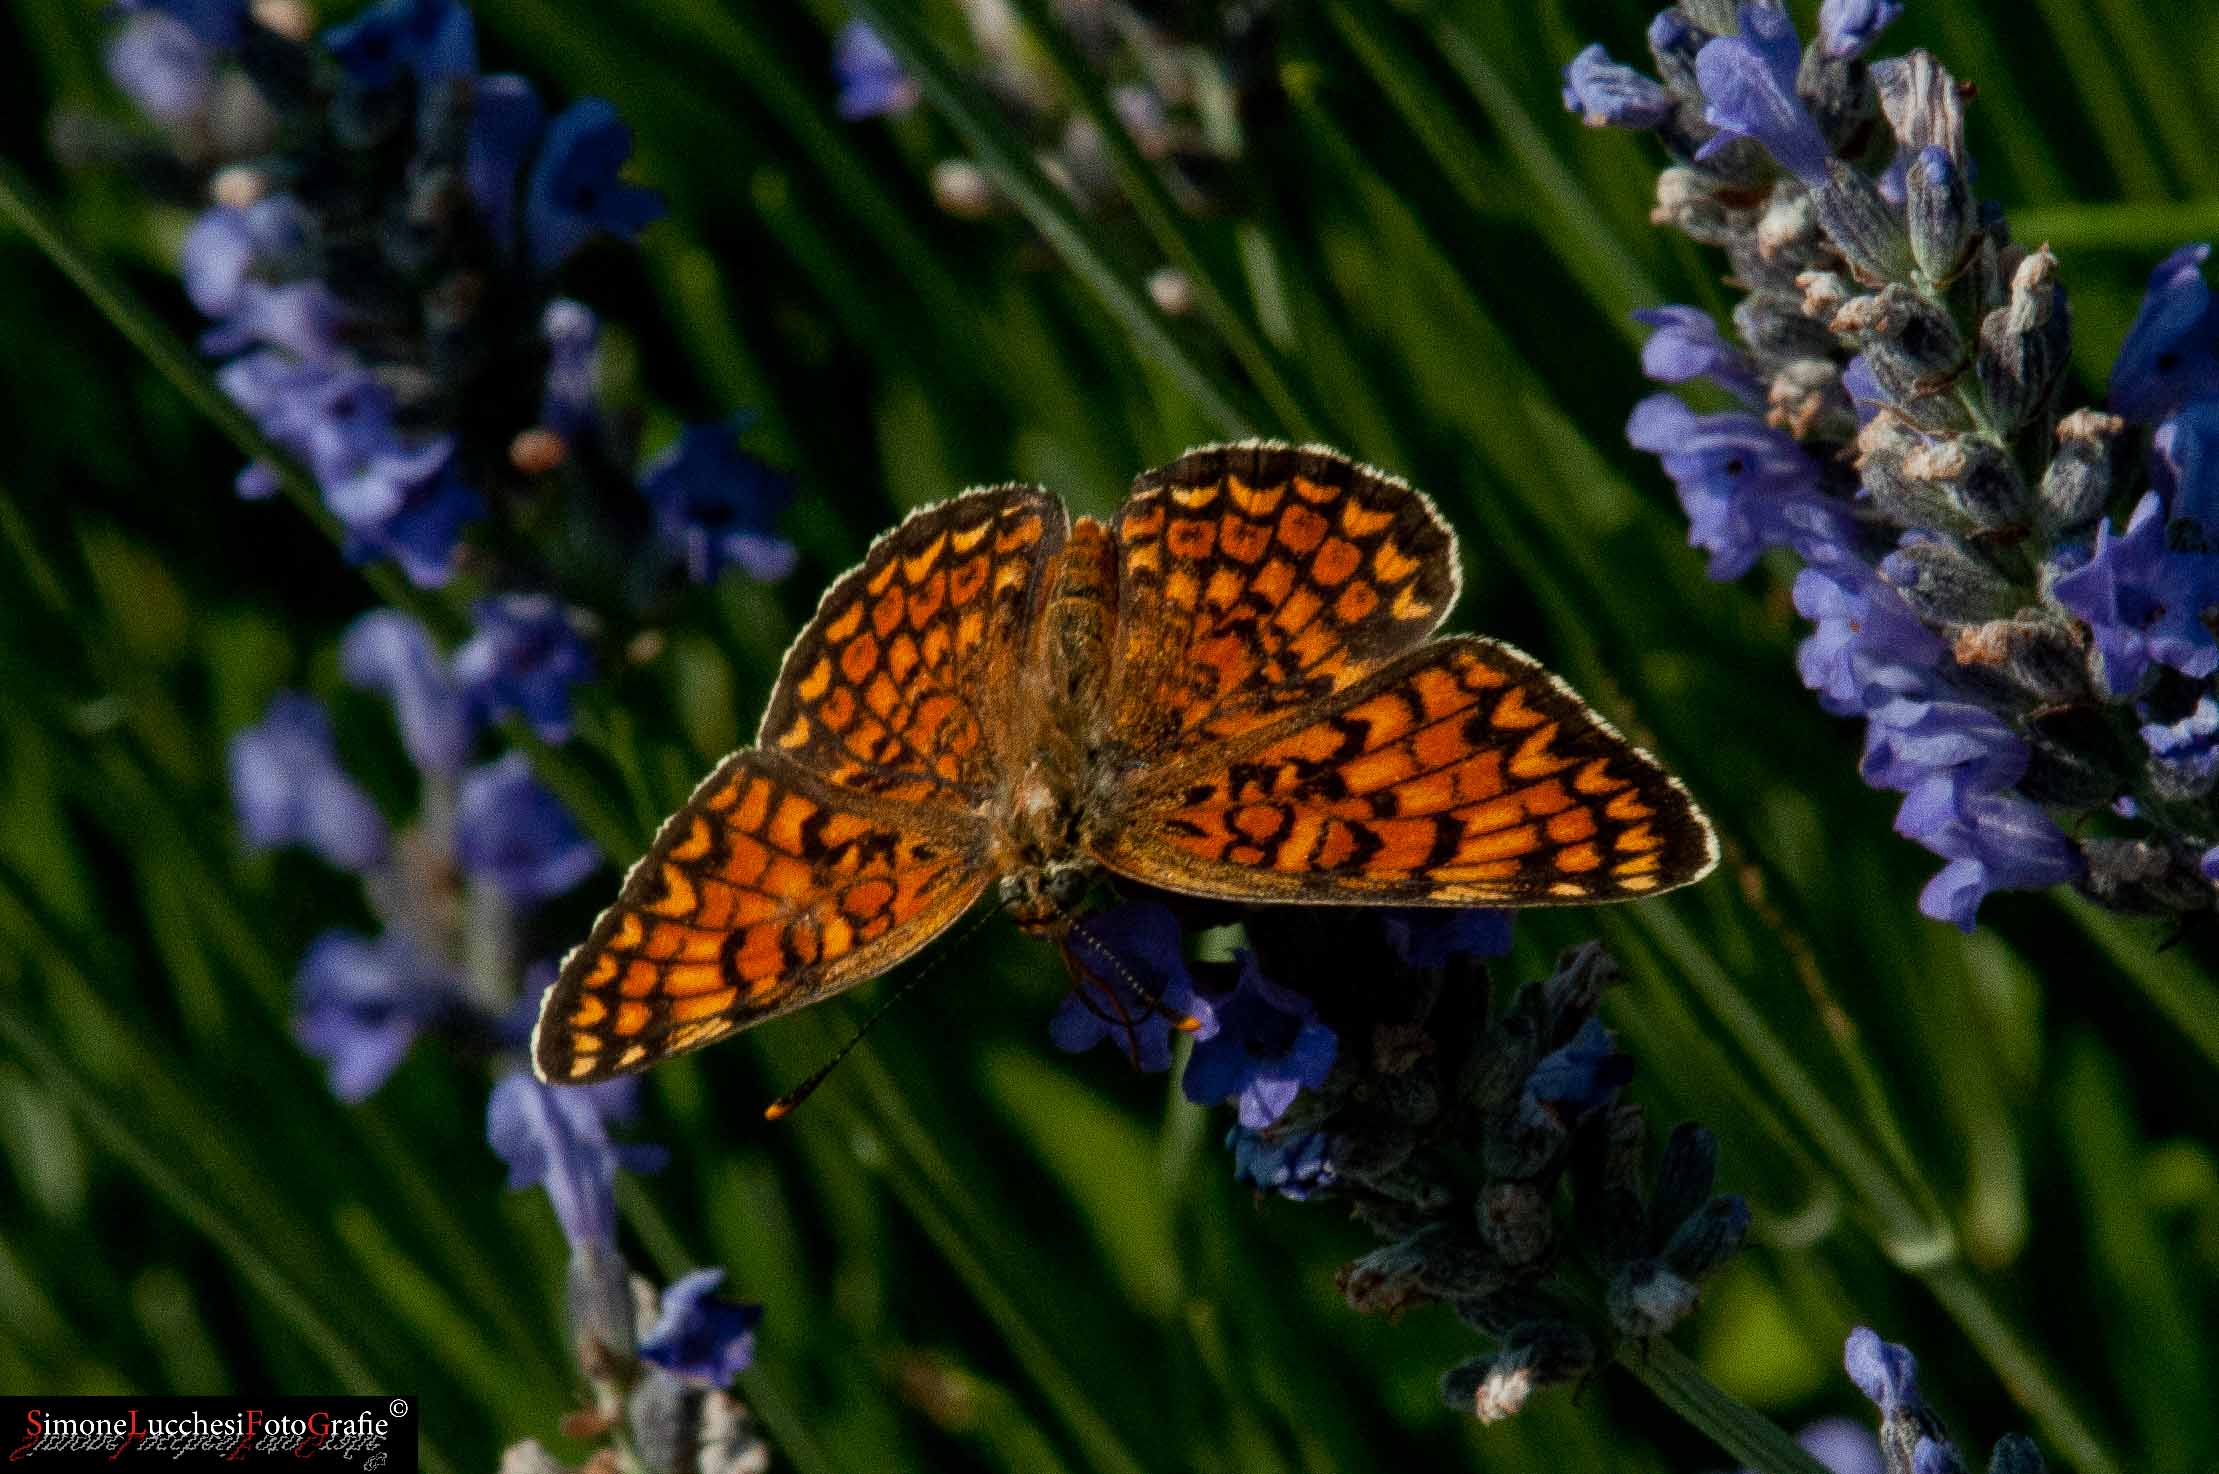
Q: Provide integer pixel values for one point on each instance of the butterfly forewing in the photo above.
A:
(890, 687)
(1256, 579)
(771, 889)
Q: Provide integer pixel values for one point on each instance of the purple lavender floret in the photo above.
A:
(2019, 606)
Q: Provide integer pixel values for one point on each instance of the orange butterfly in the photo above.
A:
(1227, 691)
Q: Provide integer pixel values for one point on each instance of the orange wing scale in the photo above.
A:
(1259, 579)
(768, 891)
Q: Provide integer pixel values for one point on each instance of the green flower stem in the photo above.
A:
(1005, 159)
(1923, 1247)
(1172, 231)
(1744, 1433)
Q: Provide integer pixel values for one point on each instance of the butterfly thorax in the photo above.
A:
(1040, 813)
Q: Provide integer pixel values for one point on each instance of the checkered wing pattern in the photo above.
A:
(1462, 774)
(770, 889)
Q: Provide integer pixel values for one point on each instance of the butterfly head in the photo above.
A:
(1042, 898)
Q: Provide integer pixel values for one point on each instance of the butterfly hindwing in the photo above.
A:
(1463, 774)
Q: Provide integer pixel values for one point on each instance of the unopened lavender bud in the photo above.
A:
(1497, 1069)
(530, 1457)
(2077, 486)
(2042, 657)
(1921, 100)
(1773, 324)
(1789, 225)
(1708, 1237)
(1576, 988)
(1947, 586)
(659, 1416)
(1684, 1176)
(1863, 226)
(1646, 1299)
(1913, 348)
(1951, 483)
(1806, 399)
(1515, 1221)
(1719, 17)
(1170, 290)
(1456, 1264)
(1386, 1279)
(1689, 201)
(725, 1437)
(2024, 345)
(2016, 1454)
(1824, 293)
(1673, 44)
(1938, 206)
(2143, 875)
(1544, 1354)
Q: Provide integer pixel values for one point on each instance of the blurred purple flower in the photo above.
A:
(167, 71)
(1885, 1373)
(2186, 752)
(1610, 94)
(872, 82)
(2185, 472)
(1269, 1045)
(1428, 937)
(699, 1335)
(1846, 28)
(431, 41)
(571, 404)
(525, 657)
(507, 121)
(1687, 345)
(1740, 481)
(1298, 1166)
(1584, 1075)
(574, 193)
(716, 506)
(557, 1137)
(514, 833)
(359, 1004)
(1992, 840)
(1748, 81)
(1866, 639)
(391, 653)
(2144, 603)
(1139, 939)
(288, 788)
(2171, 353)
(227, 244)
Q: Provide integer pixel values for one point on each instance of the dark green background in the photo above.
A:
(977, 1253)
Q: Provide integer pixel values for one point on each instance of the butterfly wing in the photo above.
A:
(1256, 579)
(1297, 738)
(888, 689)
(769, 890)
(848, 837)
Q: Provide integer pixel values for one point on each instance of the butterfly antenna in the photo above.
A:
(1184, 1022)
(785, 1104)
